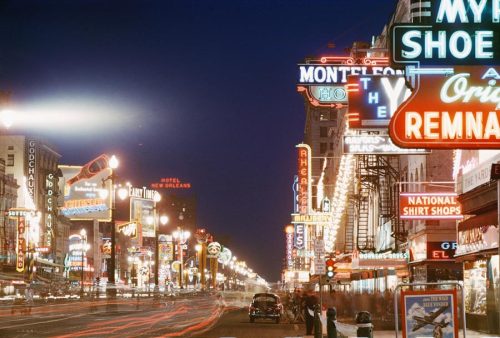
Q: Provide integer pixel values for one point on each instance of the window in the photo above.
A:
(323, 132)
(331, 145)
(324, 116)
(323, 147)
(10, 160)
(10, 148)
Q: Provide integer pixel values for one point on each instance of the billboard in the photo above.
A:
(430, 314)
(81, 187)
(437, 206)
(140, 211)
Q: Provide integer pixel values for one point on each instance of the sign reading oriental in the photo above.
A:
(437, 206)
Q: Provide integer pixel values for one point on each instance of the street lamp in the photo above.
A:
(7, 117)
(83, 244)
(181, 236)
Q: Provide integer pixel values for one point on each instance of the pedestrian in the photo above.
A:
(310, 303)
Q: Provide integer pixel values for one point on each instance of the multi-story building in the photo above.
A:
(8, 200)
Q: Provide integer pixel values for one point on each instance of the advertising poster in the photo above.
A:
(140, 211)
(81, 188)
(430, 314)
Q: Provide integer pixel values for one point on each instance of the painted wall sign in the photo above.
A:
(459, 32)
(304, 174)
(430, 313)
(429, 206)
(299, 239)
(457, 111)
(376, 144)
(374, 99)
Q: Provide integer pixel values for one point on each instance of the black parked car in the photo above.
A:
(265, 305)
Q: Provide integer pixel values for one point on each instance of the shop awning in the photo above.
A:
(488, 218)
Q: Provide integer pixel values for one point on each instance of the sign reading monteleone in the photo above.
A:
(322, 81)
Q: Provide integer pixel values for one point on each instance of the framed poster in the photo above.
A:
(430, 314)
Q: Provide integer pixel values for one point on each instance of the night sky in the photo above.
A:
(201, 90)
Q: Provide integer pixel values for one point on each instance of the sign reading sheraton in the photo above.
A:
(429, 206)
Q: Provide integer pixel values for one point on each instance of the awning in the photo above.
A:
(488, 218)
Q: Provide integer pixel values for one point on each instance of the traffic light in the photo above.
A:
(329, 263)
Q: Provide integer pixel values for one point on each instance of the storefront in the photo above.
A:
(478, 251)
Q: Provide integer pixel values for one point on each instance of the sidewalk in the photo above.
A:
(392, 334)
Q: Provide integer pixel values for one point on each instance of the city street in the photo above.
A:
(176, 317)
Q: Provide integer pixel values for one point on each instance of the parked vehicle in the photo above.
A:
(265, 306)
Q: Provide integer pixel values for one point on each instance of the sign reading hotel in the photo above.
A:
(171, 183)
(304, 174)
(377, 145)
(432, 313)
(460, 32)
(322, 81)
(436, 206)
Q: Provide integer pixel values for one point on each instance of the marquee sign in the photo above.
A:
(376, 144)
(457, 111)
(322, 81)
(374, 99)
(460, 32)
(304, 173)
(437, 206)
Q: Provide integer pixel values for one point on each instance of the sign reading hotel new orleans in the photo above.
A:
(304, 173)
(437, 206)
(171, 183)
(457, 105)
(322, 81)
(432, 313)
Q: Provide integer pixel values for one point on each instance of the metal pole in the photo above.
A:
(157, 250)
(81, 280)
(111, 277)
(181, 259)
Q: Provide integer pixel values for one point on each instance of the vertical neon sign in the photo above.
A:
(304, 174)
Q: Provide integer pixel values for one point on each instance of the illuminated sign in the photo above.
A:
(374, 99)
(49, 208)
(429, 206)
(289, 249)
(312, 218)
(143, 193)
(82, 186)
(171, 183)
(128, 229)
(460, 33)
(458, 111)
(477, 239)
(441, 250)
(376, 260)
(304, 174)
(21, 243)
(295, 188)
(141, 212)
(31, 170)
(299, 238)
(322, 81)
(376, 144)
(42, 249)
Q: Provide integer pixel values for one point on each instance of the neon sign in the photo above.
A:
(31, 177)
(375, 144)
(21, 243)
(460, 33)
(435, 206)
(374, 99)
(441, 250)
(299, 240)
(304, 174)
(459, 111)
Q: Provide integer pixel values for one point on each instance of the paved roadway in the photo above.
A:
(179, 317)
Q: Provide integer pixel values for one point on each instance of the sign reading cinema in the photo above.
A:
(435, 206)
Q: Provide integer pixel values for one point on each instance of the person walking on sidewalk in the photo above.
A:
(310, 303)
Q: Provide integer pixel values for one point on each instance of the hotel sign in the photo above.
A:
(436, 206)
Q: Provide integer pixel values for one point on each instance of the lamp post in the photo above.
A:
(181, 236)
(113, 164)
(83, 244)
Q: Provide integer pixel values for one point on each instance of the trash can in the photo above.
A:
(331, 327)
(364, 324)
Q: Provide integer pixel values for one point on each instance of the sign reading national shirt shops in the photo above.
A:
(457, 32)
(436, 206)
